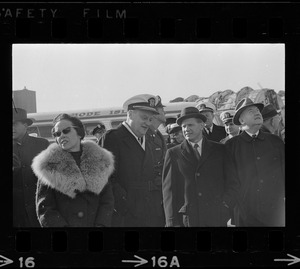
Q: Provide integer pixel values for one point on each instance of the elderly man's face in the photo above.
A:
(139, 121)
(251, 116)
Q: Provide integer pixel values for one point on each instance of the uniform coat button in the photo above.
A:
(198, 174)
(199, 194)
(258, 158)
(80, 214)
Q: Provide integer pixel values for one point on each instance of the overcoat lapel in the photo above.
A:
(188, 153)
(206, 150)
(130, 141)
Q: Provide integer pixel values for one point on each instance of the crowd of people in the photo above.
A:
(202, 175)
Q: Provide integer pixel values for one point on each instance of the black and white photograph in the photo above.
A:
(148, 135)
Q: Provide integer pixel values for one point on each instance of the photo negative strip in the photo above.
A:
(150, 134)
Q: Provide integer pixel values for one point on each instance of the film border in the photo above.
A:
(156, 23)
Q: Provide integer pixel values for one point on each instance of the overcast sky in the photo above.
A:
(67, 76)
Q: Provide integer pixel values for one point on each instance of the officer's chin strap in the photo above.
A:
(14, 106)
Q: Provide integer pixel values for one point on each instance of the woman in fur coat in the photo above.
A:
(73, 188)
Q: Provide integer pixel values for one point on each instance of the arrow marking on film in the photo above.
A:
(292, 261)
(5, 261)
(138, 262)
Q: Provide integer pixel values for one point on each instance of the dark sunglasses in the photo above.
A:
(64, 131)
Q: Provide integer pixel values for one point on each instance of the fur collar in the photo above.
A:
(56, 168)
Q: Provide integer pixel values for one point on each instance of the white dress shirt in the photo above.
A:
(252, 134)
(129, 129)
(200, 146)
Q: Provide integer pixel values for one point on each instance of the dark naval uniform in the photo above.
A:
(137, 202)
(159, 148)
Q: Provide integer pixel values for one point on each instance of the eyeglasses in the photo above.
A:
(64, 131)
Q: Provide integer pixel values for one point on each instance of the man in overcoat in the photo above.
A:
(259, 159)
(137, 203)
(25, 148)
(211, 131)
(199, 183)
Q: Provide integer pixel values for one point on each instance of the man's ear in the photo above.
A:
(241, 120)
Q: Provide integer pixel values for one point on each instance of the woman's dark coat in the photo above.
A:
(195, 191)
(72, 196)
(260, 165)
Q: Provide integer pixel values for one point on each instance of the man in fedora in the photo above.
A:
(25, 148)
(271, 120)
(137, 203)
(199, 181)
(259, 160)
(211, 131)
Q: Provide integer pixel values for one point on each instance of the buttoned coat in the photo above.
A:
(137, 204)
(217, 134)
(24, 181)
(74, 196)
(158, 146)
(260, 166)
(195, 191)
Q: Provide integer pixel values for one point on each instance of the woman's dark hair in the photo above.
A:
(75, 121)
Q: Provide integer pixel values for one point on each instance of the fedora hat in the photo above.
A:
(20, 114)
(190, 112)
(241, 106)
(269, 112)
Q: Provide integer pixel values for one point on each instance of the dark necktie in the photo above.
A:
(196, 146)
(208, 131)
(253, 137)
(141, 140)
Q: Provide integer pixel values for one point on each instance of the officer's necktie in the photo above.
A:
(141, 140)
(197, 153)
(253, 137)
